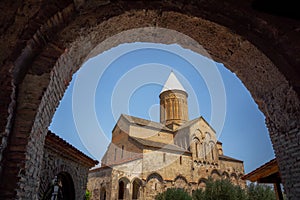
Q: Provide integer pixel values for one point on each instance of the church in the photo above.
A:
(145, 157)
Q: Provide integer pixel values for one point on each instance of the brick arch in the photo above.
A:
(215, 174)
(136, 179)
(202, 183)
(36, 67)
(225, 175)
(155, 175)
(181, 177)
(124, 179)
(181, 182)
(234, 178)
(46, 181)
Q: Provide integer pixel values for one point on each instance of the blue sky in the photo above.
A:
(128, 79)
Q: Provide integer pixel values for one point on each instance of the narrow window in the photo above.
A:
(196, 147)
(212, 153)
(122, 151)
(115, 153)
(164, 157)
(205, 151)
(180, 160)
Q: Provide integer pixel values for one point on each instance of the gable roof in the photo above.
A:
(160, 145)
(191, 122)
(145, 123)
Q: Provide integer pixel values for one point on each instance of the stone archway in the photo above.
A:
(103, 193)
(202, 183)
(136, 189)
(122, 189)
(123, 184)
(64, 182)
(37, 68)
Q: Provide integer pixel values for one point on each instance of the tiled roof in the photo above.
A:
(61, 145)
(149, 143)
(223, 157)
(145, 122)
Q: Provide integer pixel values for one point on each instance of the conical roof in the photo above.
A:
(172, 84)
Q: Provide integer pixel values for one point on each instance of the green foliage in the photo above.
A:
(87, 195)
(258, 192)
(173, 194)
(221, 190)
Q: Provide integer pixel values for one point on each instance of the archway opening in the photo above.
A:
(121, 190)
(266, 95)
(136, 187)
(113, 73)
(103, 193)
(61, 188)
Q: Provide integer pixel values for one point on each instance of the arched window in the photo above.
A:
(204, 150)
(196, 151)
(180, 160)
(122, 154)
(212, 149)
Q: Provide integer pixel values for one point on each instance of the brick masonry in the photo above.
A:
(40, 44)
(63, 159)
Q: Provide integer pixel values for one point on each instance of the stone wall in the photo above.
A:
(54, 163)
(99, 180)
(159, 170)
(37, 37)
(120, 150)
(166, 164)
(151, 134)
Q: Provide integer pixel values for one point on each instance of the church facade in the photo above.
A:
(145, 158)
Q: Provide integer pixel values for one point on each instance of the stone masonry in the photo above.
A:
(44, 43)
(146, 157)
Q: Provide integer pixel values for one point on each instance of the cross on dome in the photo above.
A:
(172, 83)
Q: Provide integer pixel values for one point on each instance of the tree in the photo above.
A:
(220, 190)
(174, 194)
(258, 192)
(225, 190)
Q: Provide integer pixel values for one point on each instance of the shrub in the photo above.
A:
(220, 190)
(258, 192)
(173, 194)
